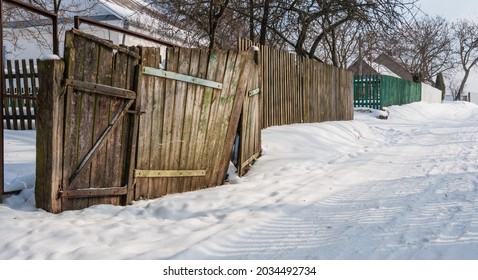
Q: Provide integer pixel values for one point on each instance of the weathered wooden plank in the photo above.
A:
(121, 146)
(179, 117)
(186, 160)
(131, 125)
(49, 136)
(102, 116)
(20, 102)
(243, 69)
(5, 107)
(145, 97)
(70, 113)
(216, 112)
(13, 101)
(201, 115)
(28, 94)
(33, 80)
(266, 89)
(170, 134)
(101, 88)
(223, 116)
(86, 117)
(157, 187)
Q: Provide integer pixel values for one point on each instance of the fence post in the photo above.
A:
(49, 141)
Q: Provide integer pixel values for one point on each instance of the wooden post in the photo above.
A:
(49, 141)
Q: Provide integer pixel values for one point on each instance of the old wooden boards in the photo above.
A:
(98, 129)
(301, 90)
(115, 127)
(190, 121)
(250, 125)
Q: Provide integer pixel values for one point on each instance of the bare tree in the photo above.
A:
(310, 22)
(211, 20)
(302, 26)
(424, 48)
(466, 38)
(19, 23)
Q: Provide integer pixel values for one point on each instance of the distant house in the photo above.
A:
(361, 67)
(135, 15)
(382, 65)
(391, 64)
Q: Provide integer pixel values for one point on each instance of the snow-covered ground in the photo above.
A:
(401, 188)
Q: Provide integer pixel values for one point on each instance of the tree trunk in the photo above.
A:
(251, 20)
(264, 23)
(462, 85)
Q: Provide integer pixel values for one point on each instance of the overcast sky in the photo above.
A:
(450, 9)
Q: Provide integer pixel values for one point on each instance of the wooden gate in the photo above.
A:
(98, 142)
(124, 124)
(192, 110)
(250, 124)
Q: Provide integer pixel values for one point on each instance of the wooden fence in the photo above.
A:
(20, 92)
(118, 124)
(126, 129)
(296, 89)
(188, 129)
(380, 91)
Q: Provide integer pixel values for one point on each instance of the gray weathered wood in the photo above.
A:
(49, 136)
(101, 89)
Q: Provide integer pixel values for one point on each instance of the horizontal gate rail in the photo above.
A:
(101, 89)
(180, 77)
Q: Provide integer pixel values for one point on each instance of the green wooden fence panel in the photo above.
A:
(396, 91)
(380, 91)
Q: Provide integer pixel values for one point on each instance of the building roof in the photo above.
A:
(361, 67)
(132, 9)
(394, 66)
(144, 16)
(382, 65)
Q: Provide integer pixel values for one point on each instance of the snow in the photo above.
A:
(405, 187)
(49, 57)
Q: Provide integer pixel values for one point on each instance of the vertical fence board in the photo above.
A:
(168, 133)
(28, 95)
(212, 136)
(202, 151)
(5, 109)
(146, 99)
(13, 101)
(191, 118)
(197, 132)
(180, 131)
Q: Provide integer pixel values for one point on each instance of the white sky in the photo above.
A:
(450, 9)
(453, 10)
